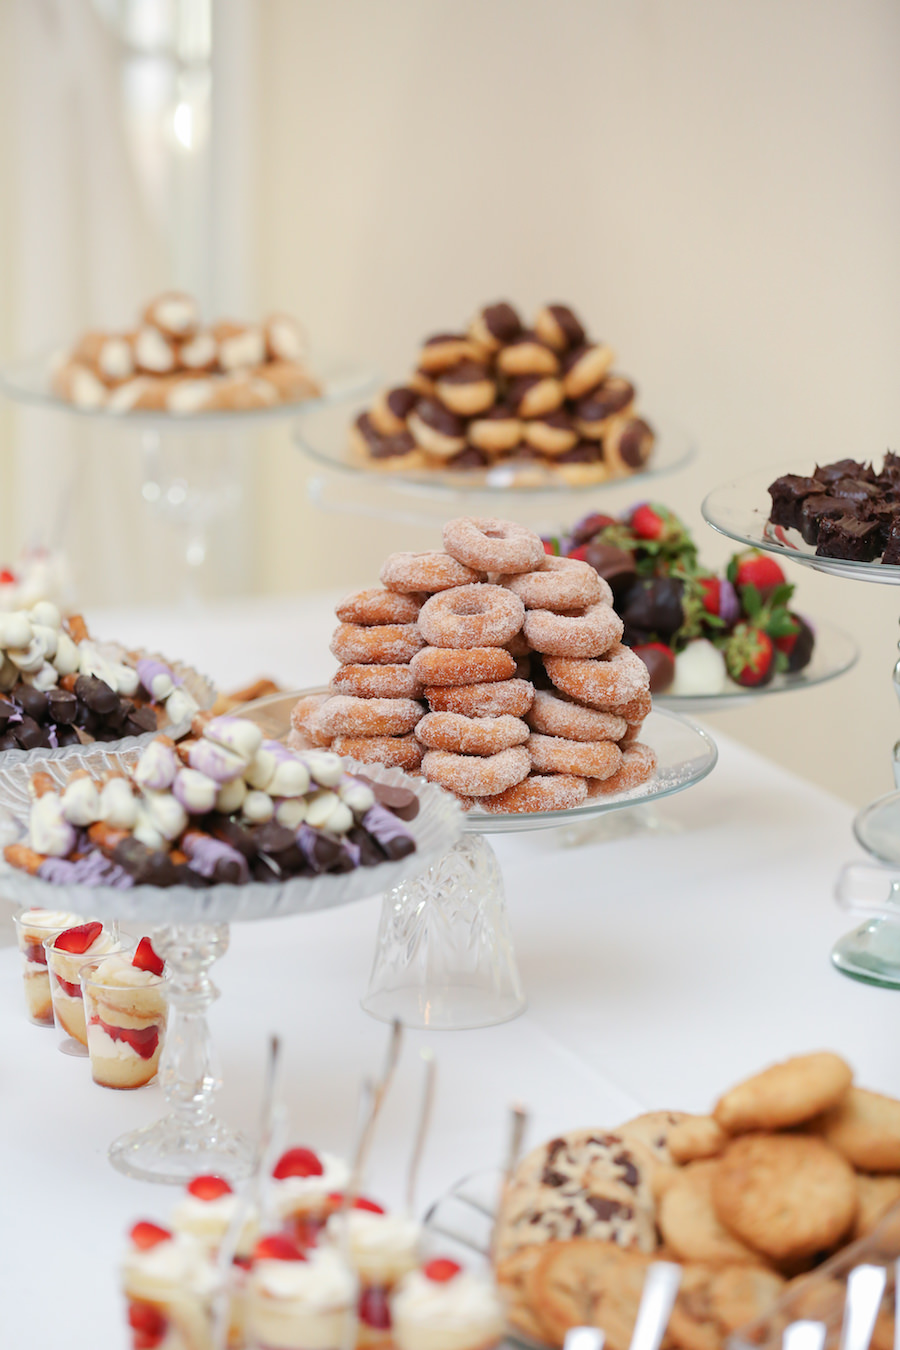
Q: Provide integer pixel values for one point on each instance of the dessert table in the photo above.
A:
(660, 966)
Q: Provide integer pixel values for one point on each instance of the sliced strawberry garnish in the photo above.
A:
(34, 952)
(209, 1187)
(373, 1308)
(145, 958)
(145, 1234)
(79, 939)
(148, 1324)
(277, 1247)
(73, 990)
(298, 1162)
(7, 577)
(143, 1040)
(359, 1203)
(441, 1270)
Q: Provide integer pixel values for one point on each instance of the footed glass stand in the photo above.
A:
(740, 510)
(871, 953)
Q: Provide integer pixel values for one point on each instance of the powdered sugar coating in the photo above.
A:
(470, 735)
(589, 759)
(471, 776)
(493, 545)
(513, 697)
(382, 644)
(429, 571)
(476, 665)
(348, 716)
(555, 716)
(612, 679)
(394, 752)
(539, 792)
(589, 633)
(638, 765)
(560, 584)
(377, 606)
(471, 616)
(390, 681)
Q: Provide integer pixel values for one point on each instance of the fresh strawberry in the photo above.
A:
(79, 939)
(756, 569)
(297, 1162)
(660, 662)
(374, 1310)
(441, 1270)
(710, 591)
(646, 522)
(209, 1187)
(750, 655)
(145, 1234)
(145, 958)
(360, 1202)
(277, 1247)
(148, 1324)
(580, 553)
(551, 546)
(7, 577)
(797, 647)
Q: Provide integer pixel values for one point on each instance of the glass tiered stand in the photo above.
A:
(190, 931)
(444, 958)
(871, 953)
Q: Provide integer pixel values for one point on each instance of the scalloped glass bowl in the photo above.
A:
(27, 380)
(740, 510)
(322, 435)
(200, 687)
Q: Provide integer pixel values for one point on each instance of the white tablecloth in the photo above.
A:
(659, 967)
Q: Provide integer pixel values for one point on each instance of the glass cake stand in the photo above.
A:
(189, 478)
(834, 654)
(321, 434)
(191, 933)
(740, 510)
(444, 958)
(871, 953)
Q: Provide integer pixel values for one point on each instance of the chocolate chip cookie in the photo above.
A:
(689, 1224)
(865, 1128)
(785, 1094)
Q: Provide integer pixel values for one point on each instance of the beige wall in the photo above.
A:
(714, 185)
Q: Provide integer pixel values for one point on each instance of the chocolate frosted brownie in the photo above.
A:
(849, 538)
(846, 509)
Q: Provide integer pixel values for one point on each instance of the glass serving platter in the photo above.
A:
(322, 435)
(27, 380)
(834, 654)
(740, 510)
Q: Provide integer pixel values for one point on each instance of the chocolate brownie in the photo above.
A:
(891, 554)
(844, 468)
(817, 508)
(788, 494)
(849, 538)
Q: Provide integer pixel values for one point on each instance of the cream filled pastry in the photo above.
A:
(299, 1300)
(206, 1211)
(443, 1307)
(171, 1283)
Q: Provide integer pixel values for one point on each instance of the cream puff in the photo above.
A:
(77, 384)
(496, 430)
(174, 313)
(154, 354)
(108, 354)
(494, 325)
(284, 338)
(584, 367)
(627, 445)
(467, 389)
(391, 409)
(364, 436)
(613, 398)
(527, 355)
(199, 353)
(552, 434)
(559, 327)
(436, 429)
(243, 391)
(142, 394)
(190, 395)
(535, 395)
(291, 381)
(445, 350)
(469, 459)
(241, 345)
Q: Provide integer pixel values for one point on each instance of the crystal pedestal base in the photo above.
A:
(870, 954)
(444, 958)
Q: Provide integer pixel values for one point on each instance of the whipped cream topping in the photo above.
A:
(292, 1193)
(181, 1263)
(470, 1299)
(192, 1213)
(102, 1046)
(392, 1235)
(323, 1281)
(50, 918)
(118, 971)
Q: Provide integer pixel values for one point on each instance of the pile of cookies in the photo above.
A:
(171, 362)
(531, 400)
(491, 668)
(791, 1165)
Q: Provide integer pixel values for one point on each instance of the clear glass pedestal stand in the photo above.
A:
(190, 1140)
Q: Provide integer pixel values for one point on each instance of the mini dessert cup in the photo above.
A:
(382, 1248)
(171, 1285)
(442, 1307)
(298, 1301)
(64, 968)
(306, 1188)
(33, 926)
(125, 1011)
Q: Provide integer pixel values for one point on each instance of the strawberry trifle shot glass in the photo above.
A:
(125, 1009)
(33, 927)
(66, 954)
(382, 1248)
(299, 1300)
(305, 1190)
(443, 1307)
(205, 1212)
(171, 1284)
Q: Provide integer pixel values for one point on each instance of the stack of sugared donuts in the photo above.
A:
(440, 667)
(538, 402)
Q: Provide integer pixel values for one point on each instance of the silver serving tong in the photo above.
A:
(374, 1094)
(426, 1111)
(584, 1338)
(865, 1289)
(657, 1300)
(804, 1335)
(518, 1123)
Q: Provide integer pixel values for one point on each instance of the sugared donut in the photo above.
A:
(553, 792)
(429, 571)
(589, 633)
(635, 710)
(518, 646)
(606, 682)
(305, 719)
(560, 584)
(585, 759)
(375, 606)
(382, 645)
(345, 715)
(471, 616)
(638, 765)
(394, 752)
(510, 697)
(470, 735)
(493, 545)
(631, 734)
(392, 681)
(555, 716)
(476, 777)
(450, 666)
